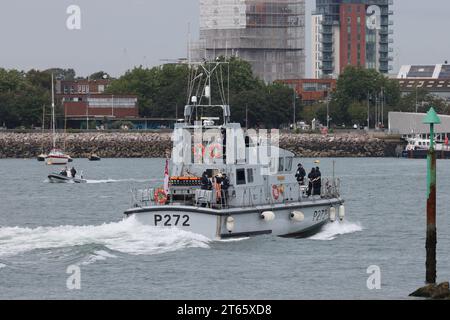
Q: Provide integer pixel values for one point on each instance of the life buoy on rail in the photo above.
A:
(215, 151)
(160, 196)
(275, 192)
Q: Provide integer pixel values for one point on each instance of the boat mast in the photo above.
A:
(53, 115)
(43, 127)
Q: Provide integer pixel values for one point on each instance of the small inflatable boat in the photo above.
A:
(94, 157)
(59, 178)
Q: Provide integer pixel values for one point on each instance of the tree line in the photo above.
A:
(162, 93)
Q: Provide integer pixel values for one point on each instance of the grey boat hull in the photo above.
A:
(57, 178)
(241, 222)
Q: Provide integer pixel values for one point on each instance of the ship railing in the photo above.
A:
(210, 199)
(330, 188)
(142, 197)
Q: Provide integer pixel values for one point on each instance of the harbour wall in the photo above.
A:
(158, 145)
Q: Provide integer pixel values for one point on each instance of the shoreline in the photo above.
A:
(158, 145)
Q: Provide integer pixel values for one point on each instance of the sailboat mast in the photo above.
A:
(53, 115)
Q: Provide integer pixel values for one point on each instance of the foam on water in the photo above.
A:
(98, 255)
(332, 230)
(2, 265)
(122, 180)
(233, 240)
(127, 236)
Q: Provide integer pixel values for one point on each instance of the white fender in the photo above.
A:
(332, 214)
(230, 224)
(268, 216)
(341, 212)
(297, 216)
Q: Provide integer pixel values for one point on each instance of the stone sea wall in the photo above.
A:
(157, 145)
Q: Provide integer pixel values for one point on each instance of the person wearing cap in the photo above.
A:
(300, 174)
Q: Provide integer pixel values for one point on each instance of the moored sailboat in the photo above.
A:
(56, 156)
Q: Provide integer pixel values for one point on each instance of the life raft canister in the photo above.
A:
(160, 196)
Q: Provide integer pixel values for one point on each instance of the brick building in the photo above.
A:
(311, 91)
(85, 100)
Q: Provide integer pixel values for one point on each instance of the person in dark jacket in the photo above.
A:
(311, 177)
(300, 175)
(318, 180)
(205, 183)
(73, 172)
(64, 172)
(225, 187)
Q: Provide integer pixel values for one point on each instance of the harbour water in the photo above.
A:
(45, 228)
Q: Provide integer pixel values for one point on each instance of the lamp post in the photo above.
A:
(368, 110)
(328, 110)
(431, 240)
(295, 120)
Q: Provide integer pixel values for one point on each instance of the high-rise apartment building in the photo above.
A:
(353, 32)
(270, 34)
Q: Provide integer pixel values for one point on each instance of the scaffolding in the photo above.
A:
(268, 34)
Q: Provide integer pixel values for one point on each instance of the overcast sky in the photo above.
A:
(116, 35)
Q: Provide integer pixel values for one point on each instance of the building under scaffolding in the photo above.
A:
(268, 34)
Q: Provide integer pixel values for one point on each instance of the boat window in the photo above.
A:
(250, 175)
(240, 176)
(281, 165)
(289, 161)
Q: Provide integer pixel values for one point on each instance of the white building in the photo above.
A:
(269, 34)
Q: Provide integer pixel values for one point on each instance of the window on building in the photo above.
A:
(240, 176)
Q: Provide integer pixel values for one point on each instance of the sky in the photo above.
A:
(116, 35)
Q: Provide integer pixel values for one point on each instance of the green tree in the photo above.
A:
(99, 75)
(22, 98)
(357, 113)
(159, 89)
(358, 85)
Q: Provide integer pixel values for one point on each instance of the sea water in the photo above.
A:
(47, 230)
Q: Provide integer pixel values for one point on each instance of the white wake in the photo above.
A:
(332, 230)
(127, 236)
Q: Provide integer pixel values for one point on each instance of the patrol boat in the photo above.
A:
(263, 196)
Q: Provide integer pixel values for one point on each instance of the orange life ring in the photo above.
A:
(160, 196)
(215, 151)
(275, 192)
(199, 150)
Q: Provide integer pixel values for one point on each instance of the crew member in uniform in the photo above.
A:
(300, 175)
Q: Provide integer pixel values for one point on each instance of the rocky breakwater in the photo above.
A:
(81, 145)
(157, 145)
(340, 145)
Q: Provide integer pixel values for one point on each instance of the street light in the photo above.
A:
(328, 109)
(295, 97)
